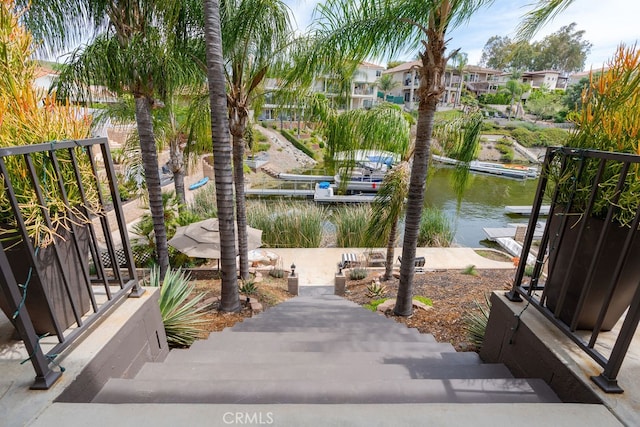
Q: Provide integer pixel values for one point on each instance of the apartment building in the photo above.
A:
(362, 92)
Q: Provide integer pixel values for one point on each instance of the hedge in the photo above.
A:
(300, 146)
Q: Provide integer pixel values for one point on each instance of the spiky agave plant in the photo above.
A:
(181, 316)
(476, 322)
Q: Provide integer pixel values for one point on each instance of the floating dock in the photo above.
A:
(499, 169)
(526, 210)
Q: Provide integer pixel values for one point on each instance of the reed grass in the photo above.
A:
(351, 225)
(287, 224)
(436, 229)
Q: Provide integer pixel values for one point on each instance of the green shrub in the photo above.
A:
(553, 136)
(358, 273)
(524, 136)
(262, 146)
(181, 316)
(300, 146)
(435, 229)
(278, 273)
(470, 270)
(248, 287)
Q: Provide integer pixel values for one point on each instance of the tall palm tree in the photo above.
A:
(129, 55)
(460, 60)
(222, 155)
(255, 34)
(387, 208)
(377, 28)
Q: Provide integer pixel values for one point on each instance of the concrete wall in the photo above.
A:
(532, 348)
(137, 337)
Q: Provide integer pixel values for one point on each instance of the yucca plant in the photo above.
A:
(476, 322)
(181, 316)
(375, 289)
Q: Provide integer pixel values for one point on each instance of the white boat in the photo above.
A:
(367, 174)
(506, 170)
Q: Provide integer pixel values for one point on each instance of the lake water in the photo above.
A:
(482, 204)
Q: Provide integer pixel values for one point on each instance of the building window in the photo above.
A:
(378, 73)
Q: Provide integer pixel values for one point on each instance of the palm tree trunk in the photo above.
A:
(221, 156)
(430, 90)
(238, 125)
(391, 245)
(152, 178)
(176, 160)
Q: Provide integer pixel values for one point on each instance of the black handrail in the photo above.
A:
(79, 297)
(562, 172)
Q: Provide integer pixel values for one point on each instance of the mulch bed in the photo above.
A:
(453, 293)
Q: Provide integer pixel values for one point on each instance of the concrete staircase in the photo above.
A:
(322, 349)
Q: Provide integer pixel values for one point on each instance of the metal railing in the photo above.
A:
(61, 289)
(586, 275)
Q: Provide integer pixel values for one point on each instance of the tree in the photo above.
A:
(387, 208)
(386, 84)
(460, 60)
(564, 50)
(495, 53)
(515, 89)
(572, 98)
(222, 156)
(376, 28)
(130, 56)
(255, 34)
(394, 64)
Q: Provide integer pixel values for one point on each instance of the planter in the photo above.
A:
(47, 288)
(602, 276)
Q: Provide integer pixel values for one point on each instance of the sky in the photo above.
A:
(606, 23)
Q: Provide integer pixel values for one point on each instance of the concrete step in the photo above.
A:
(431, 414)
(353, 370)
(178, 356)
(228, 334)
(291, 325)
(397, 347)
(512, 390)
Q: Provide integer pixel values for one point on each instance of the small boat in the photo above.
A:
(199, 183)
(368, 171)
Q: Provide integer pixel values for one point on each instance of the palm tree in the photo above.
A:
(221, 155)
(387, 208)
(386, 84)
(131, 55)
(544, 12)
(515, 89)
(377, 28)
(460, 59)
(255, 33)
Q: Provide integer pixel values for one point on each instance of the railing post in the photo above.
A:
(607, 380)
(45, 377)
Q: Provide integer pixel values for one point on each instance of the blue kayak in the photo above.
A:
(199, 184)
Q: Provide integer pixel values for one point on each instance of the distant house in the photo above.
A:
(475, 79)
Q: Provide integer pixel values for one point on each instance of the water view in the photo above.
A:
(482, 204)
